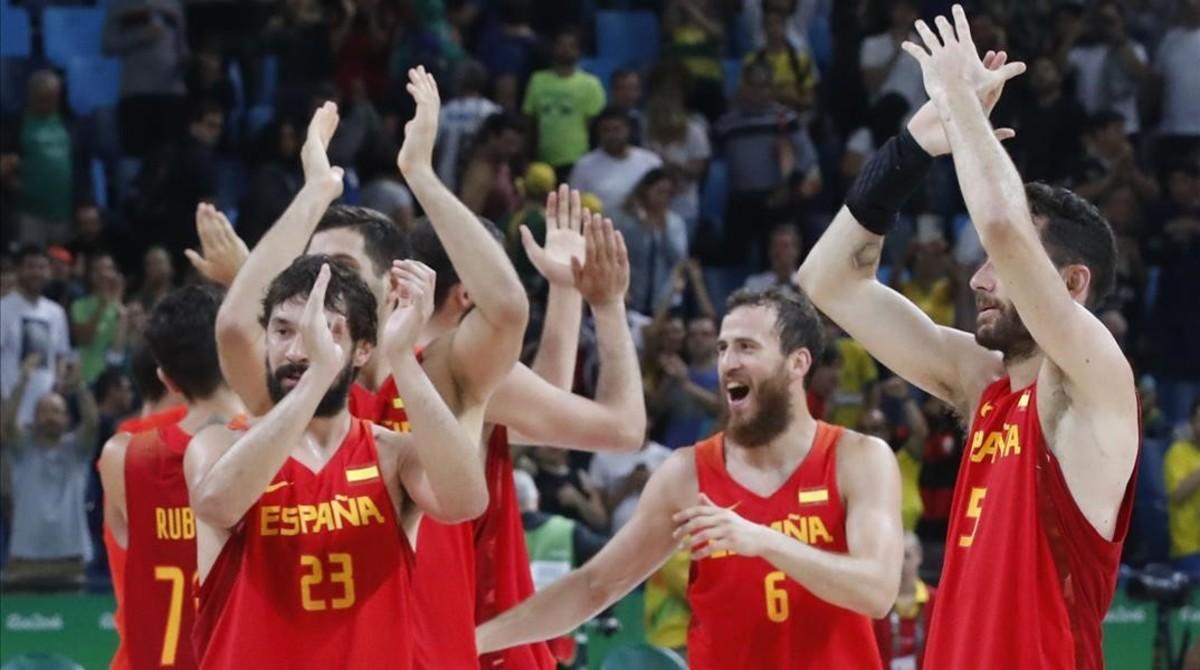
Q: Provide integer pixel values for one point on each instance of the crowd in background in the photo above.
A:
(719, 135)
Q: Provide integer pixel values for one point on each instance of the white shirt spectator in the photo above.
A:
(27, 328)
(612, 179)
(1101, 83)
(695, 146)
(904, 77)
(1178, 62)
(608, 470)
(460, 118)
(48, 486)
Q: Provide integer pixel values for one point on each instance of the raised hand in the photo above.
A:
(314, 155)
(949, 58)
(222, 252)
(419, 134)
(411, 295)
(564, 237)
(317, 332)
(603, 277)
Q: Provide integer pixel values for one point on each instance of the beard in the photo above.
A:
(331, 403)
(1006, 334)
(772, 416)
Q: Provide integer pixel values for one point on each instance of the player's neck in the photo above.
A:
(788, 449)
(327, 433)
(1023, 371)
(223, 405)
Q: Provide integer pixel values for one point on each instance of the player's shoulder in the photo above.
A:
(675, 478)
(862, 457)
(112, 454)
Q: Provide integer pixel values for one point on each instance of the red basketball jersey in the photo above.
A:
(116, 568)
(159, 603)
(316, 576)
(1027, 580)
(501, 560)
(154, 421)
(748, 614)
(383, 406)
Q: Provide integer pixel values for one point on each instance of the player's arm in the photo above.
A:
(633, 554)
(1069, 335)
(226, 484)
(839, 273)
(867, 577)
(559, 343)
(616, 419)
(443, 474)
(240, 336)
(112, 480)
(487, 343)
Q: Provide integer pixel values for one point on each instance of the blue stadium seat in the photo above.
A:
(71, 32)
(643, 657)
(630, 38)
(820, 42)
(268, 80)
(740, 42)
(602, 68)
(99, 183)
(733, 76)
(93, 82)
(16, 38)
(714, 195)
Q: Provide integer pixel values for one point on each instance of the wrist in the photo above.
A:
(325, 190)
(421, 173)
(609, 308)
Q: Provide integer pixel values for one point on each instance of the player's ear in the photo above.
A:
(1078, 279)
(460, 296)
(362, 353)
(162, 377)
(799, 362)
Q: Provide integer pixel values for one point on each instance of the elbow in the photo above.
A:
(514, 306)
(876, 607)
(877, 600)
(630, 433)
(467, 508)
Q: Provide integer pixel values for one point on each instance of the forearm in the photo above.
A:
(1186, 488)
(89, 418)
(707, 399)
(559, 343)
(593, 511)
(85, 331)
(619, 387)
(480, 260)
(237, 479)
(554, 611)
(12, 405)
(857, 584)
(448, 456)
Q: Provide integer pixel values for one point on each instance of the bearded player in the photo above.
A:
(1042, 503)
(794, 524)
(481, 567)
(306, 519)
(146, 508)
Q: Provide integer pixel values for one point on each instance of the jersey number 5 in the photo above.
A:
(974, 509)
(341, 571)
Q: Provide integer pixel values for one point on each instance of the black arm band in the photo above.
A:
(886, 181)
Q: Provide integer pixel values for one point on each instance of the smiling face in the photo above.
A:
(759, 382)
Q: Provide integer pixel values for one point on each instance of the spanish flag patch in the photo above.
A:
(813, 496)
(365, 473)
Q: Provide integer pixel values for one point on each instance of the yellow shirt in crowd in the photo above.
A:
(1183, 458)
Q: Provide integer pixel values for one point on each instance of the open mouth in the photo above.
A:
(736, 392)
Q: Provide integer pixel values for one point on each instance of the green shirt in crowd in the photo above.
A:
(46, 168)
(563, 107)
(93, 355)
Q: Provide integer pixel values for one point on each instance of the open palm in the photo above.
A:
(564, 237)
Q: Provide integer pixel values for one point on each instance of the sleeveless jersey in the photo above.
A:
(748, 614)
(383, 407)
(116, 568)
(140, 424)
(159, 605)
(1027, 579)
(316, 576)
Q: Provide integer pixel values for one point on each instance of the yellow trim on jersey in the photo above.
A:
(362, 474)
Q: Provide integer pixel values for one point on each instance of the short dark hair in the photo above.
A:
(107, 381)
(796, 320)
(1075, 233)
(202, 108)
(144, 369)
(29, 250)
(347, 294)
(621, 73)
(1101, 120)
(181, 333)
(612, 113)
(499, 122)
(428, 249)
(383, 240)
(470, 77)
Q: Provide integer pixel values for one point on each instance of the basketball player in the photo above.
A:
(473, 301)
(306, 519)
(1042, 503)
(794, 524)
(146, 507)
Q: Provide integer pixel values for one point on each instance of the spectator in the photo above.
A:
(681, 141)
(931, 282)
(358, 122)
(857, 390)
(900, 422)
(491, 165)
(766, 150)
(1175, 67)
(902, 633)
(275, 179)
(31, 324)
(298, 37)
(460, 118)
(667, 613)
(93, 236)
(1048, 126)
(823, 382)
(783, 256)
(150, 38)
(535, 186)
(1124, 213)
(42, 140)
(622, 476)
(95, 318)
(208, 78)
(361, 40)
(63, 288)
(688, 402)
(656, 239)
(1110, 161)
(567, 491)
(885, 66)
(1109, 66)
(562, 101)
(799, 13)
(8, 275)
(793, 73)
(939, 472)
(695, 37)
(626, 86)
(1181, 469)
(158, 277)
(614, 167)
(510, 51)
(47, 467)
(884, 119)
